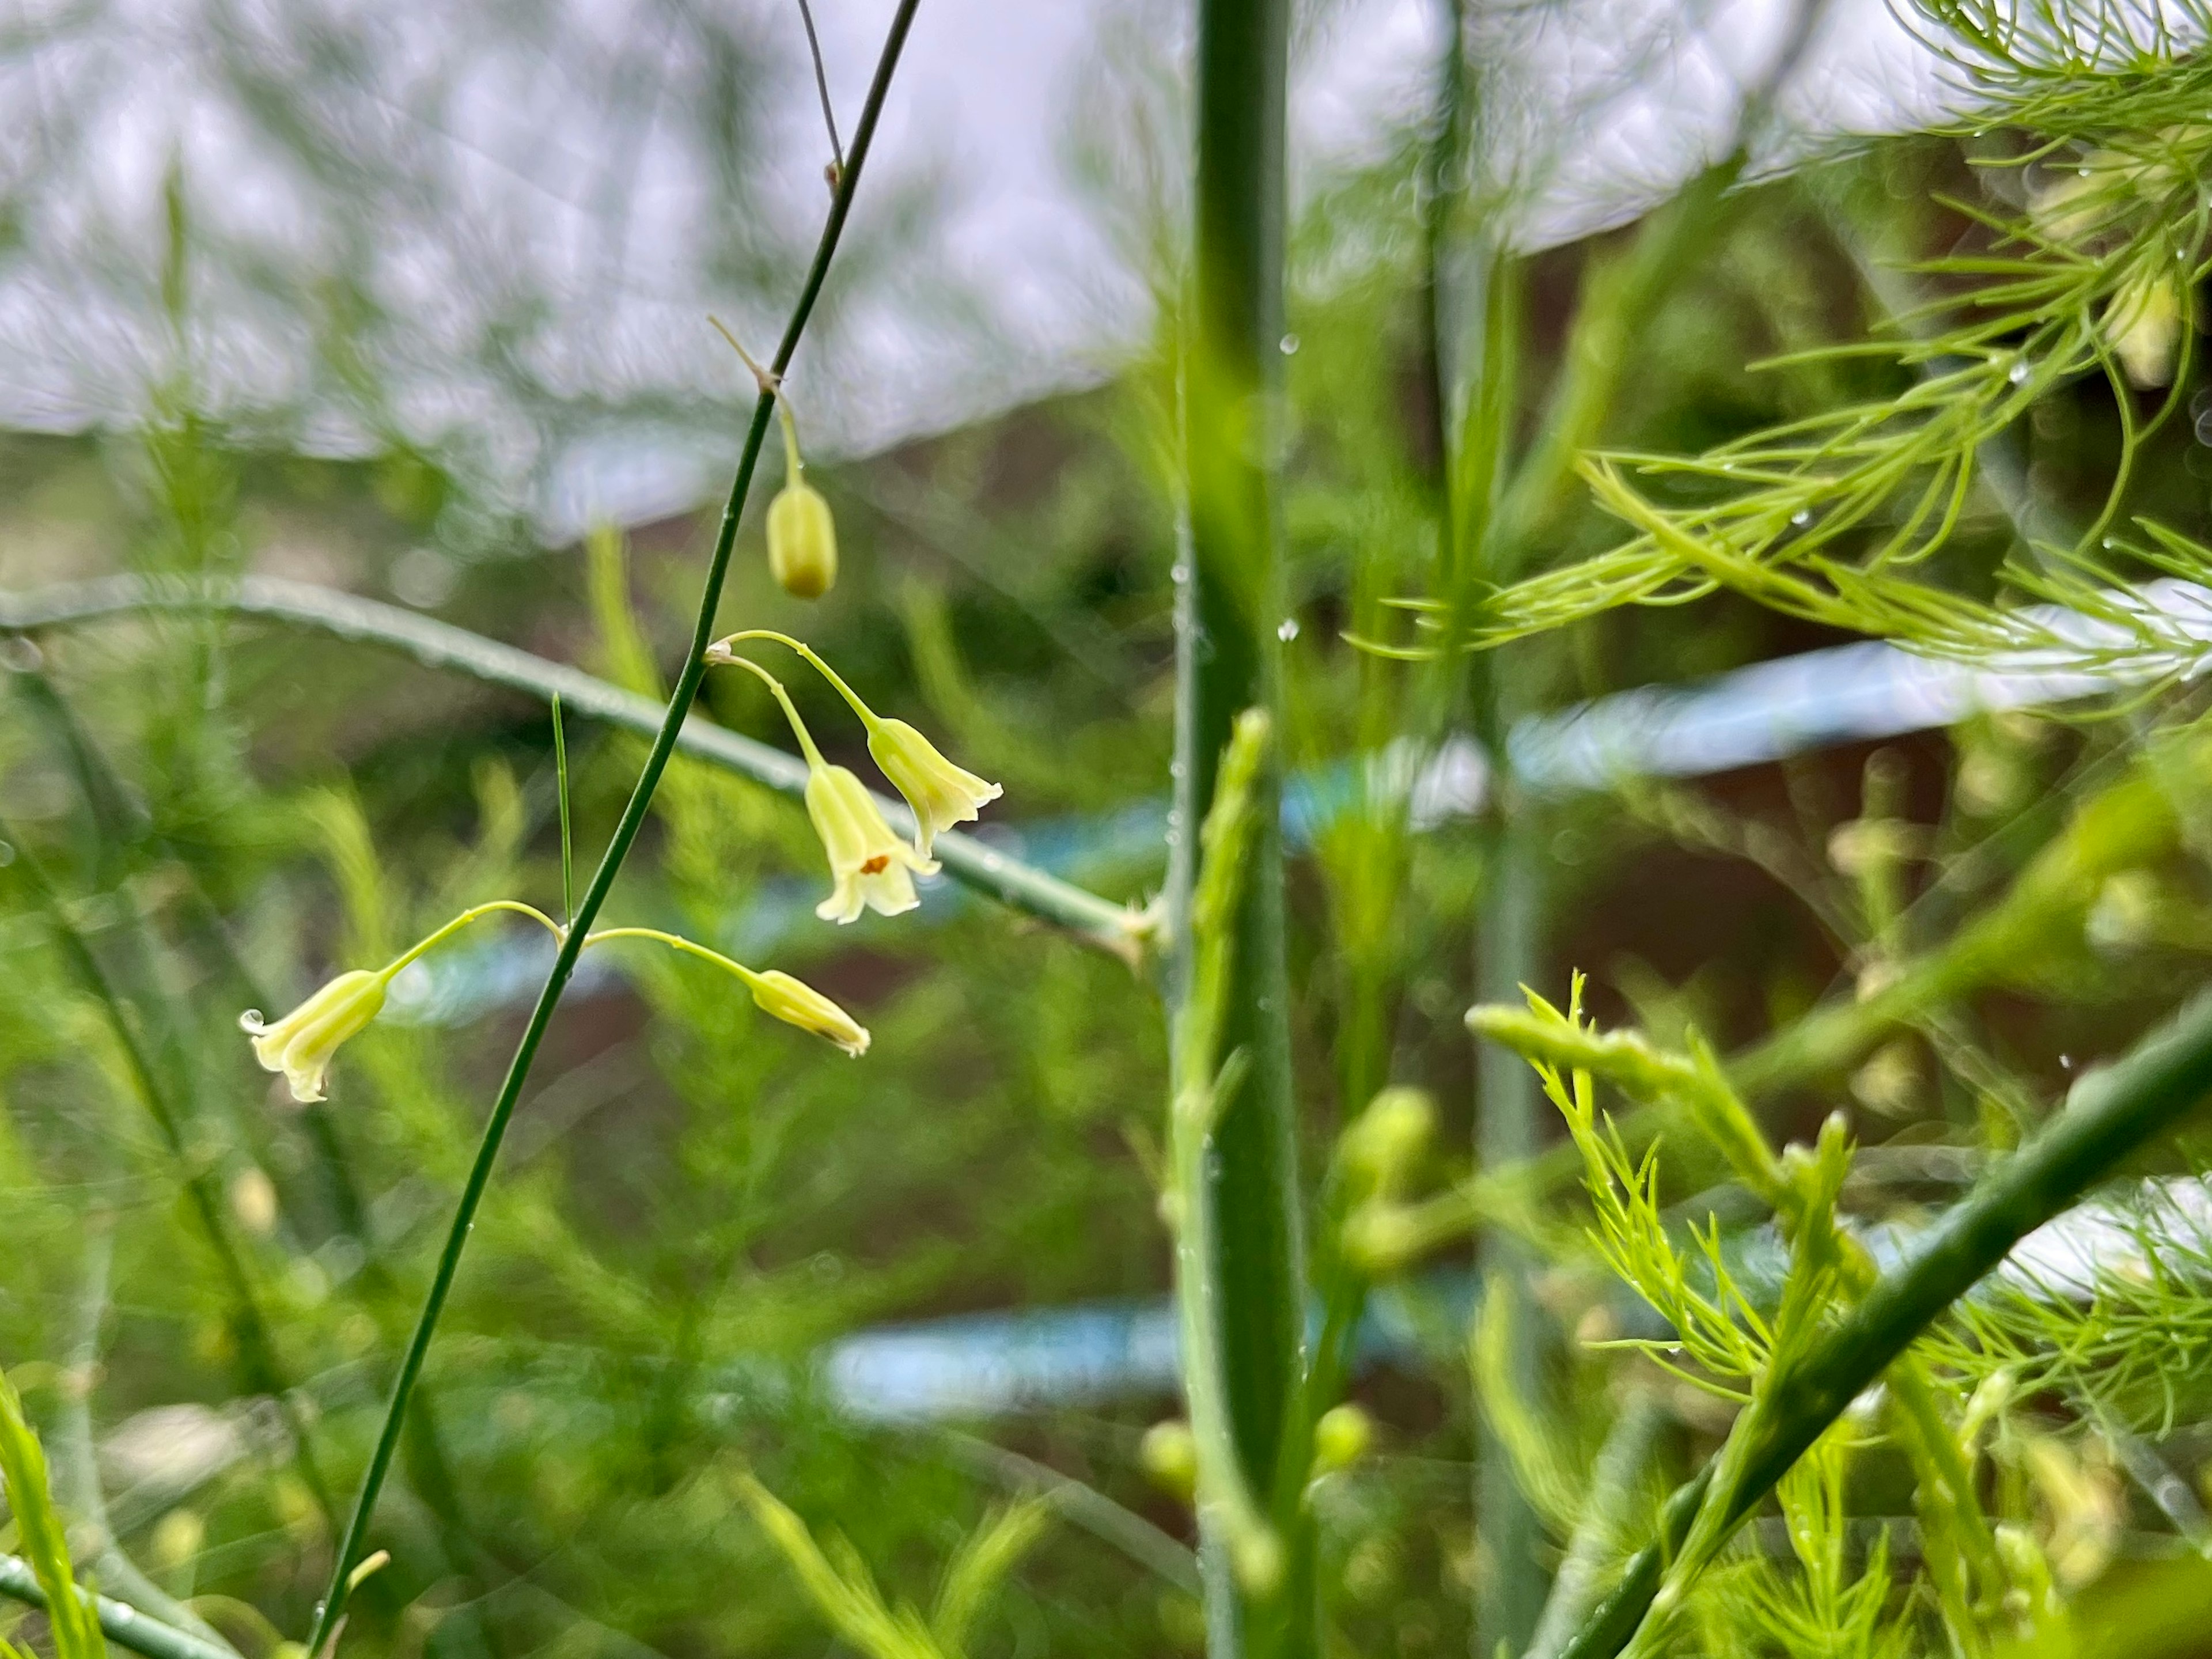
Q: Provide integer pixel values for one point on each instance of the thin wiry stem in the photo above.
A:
(1116, 929)
(822, 87)
(603, 879)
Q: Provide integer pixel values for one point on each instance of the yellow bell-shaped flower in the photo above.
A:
(301, 1044)
(871, 866)
(941, 794)
(797, 1003)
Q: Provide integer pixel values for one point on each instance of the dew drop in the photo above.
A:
(2065, 1062)
(1287, 629)
(1289, 343)
(2018, 373)
(1802, 516)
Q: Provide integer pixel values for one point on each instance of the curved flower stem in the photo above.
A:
(869, 718)
(783, 699)
(475, 911)
(351, 1550)
(677, 942)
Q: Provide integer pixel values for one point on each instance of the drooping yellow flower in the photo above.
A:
(797, 1003)
(871, 866)
(941, 794)
(301, 1044)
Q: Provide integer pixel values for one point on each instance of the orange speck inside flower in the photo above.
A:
(874, 866)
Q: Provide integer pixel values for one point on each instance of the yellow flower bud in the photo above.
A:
(871, 867)
(1341, 1438)
(802, 541)
(797, 1003)
(941, 794)
(301, 1044)
(802, 537)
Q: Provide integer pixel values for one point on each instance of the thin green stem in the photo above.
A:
(474, 913)
(678, 942)
(2109, 1115)
(783, 700)
(603, 879)
(568, 842)
(1120, 930)
(869, 718)
(793, 468)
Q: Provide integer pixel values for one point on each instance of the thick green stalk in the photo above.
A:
(1112, 928)
(1229, 604)
(2109, 1113)
(618, 847)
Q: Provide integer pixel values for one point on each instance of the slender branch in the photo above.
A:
(123, 1623)
(2108, 1115)
(822, 86)
(603, 879)
(1083, 1506)
(1114, 928)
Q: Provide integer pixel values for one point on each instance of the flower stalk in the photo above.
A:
(353, 1546)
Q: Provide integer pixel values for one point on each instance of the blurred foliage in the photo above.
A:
(627, 1444)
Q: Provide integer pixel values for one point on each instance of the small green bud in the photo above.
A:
(1257, 1556)
(1341, 1438)
(1381, 1238)
(1383, 1142)
(1168, 1452)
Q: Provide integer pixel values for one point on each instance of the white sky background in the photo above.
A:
(544, 160)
